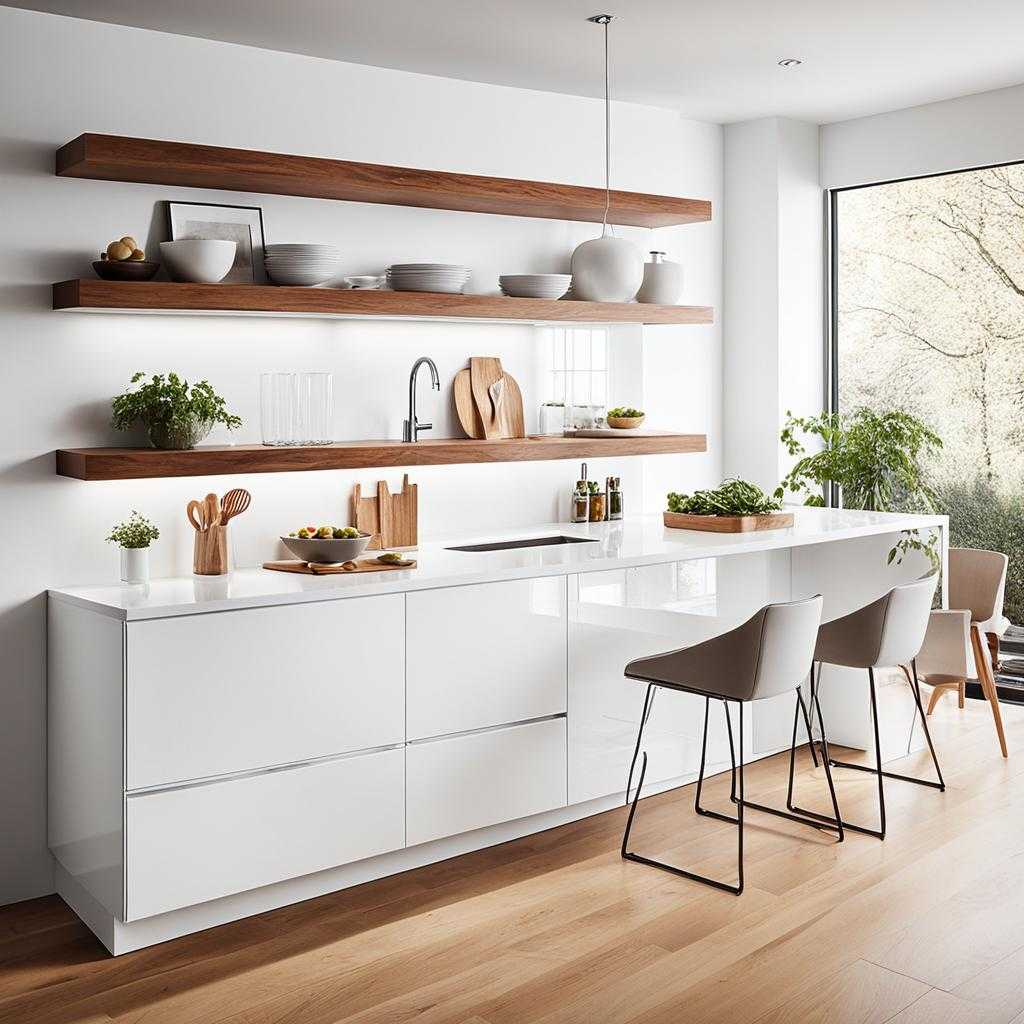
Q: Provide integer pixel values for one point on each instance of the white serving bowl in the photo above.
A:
(535, 286)
(198, 260)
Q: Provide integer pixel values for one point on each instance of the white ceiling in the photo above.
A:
(713, 60)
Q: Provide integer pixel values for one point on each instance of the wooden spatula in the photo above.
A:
(483, 372)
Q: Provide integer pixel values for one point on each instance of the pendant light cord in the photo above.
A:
(604, 20)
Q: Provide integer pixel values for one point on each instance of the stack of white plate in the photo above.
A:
(306, 265)
(535, 286)
(428, 277)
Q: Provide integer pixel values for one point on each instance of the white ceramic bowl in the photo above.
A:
(311, 549)
(535, 286)
(199, 260)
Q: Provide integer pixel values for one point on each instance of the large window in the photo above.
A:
(929, 318)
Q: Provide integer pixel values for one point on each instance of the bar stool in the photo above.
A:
(768, 655)
(887, 633)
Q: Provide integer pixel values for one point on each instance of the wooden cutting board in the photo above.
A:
(318, 569)
(728, 524)
(483, 372)
(392, 519)
(465, 407)
(510, 415)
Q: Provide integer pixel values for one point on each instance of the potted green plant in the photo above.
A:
(134, 537)
(175, 415)
(876, 459)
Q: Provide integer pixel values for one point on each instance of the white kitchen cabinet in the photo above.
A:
(197, 843)
(209, 695)
(485, 655)
(461, 783)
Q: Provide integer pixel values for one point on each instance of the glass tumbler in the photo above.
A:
(315, 389)
(278, 408)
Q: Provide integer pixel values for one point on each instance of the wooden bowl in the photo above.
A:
(625, 422)
(125, 270)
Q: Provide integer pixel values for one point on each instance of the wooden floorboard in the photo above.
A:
(555, 928)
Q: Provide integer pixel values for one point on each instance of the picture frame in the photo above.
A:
(241, 224)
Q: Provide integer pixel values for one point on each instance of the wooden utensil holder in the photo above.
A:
(210, 553)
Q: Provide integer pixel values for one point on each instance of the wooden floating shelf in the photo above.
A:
(150, 161)
(146, 463)
(93, 294)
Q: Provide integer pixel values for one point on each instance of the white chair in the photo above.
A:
(977, 581)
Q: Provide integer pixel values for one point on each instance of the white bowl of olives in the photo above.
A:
(327, 545)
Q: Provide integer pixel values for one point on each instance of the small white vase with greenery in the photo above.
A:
(134, 537)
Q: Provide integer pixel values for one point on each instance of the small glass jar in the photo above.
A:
(579, 507)
(615, 501)
(597, 505)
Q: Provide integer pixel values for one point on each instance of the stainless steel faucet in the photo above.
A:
(412, 427)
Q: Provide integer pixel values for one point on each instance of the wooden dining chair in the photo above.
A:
(977, 580)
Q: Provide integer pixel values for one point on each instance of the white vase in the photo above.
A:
(606, 269)
(135, 565)
(663, 281)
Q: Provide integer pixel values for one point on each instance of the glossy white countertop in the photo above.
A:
(637, 540)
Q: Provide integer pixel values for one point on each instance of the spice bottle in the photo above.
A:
(579, 504)
(598, 503)
(614, 497)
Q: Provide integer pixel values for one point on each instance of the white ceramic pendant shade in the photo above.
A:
(606, 269)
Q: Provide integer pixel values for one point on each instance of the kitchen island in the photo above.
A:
(222, 746)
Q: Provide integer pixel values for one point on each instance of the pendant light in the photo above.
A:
(606, 269)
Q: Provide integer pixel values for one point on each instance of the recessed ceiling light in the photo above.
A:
(790, 62)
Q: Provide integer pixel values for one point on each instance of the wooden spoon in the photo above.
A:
(212, 510)
(234, 503)
(196, 513)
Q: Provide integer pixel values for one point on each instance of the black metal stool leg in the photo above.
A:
(738, 821)
(648, 702)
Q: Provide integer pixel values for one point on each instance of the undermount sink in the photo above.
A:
(526, 542)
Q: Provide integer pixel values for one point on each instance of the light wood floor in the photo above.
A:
(925, 927)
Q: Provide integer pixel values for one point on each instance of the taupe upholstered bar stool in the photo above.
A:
(770, 654)
(887, 633)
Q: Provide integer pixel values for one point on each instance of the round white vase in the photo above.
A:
(606, 269)
(135, 565)
(663, 281)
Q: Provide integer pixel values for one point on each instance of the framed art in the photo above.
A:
(240, 224)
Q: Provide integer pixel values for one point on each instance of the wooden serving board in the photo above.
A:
(391, 519)
(728, 524)
(318, 569)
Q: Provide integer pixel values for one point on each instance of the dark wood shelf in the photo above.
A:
(145, 463)
(93, 294)
(150, 161)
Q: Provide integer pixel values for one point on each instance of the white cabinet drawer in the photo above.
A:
(485, 655)
(208, 695)
(467, 782)
(190, 845)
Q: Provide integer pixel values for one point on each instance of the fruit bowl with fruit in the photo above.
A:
(327, 545)
(123, 260)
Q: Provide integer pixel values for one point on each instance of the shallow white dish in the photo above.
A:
(535, 286)
(198, 260)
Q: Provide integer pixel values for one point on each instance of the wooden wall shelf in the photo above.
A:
(145, 463)
(118, 158)
(93, 294)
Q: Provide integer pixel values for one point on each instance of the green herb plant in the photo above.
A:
(733, 498)
(877, 459)
(135, 532)
(174, 414)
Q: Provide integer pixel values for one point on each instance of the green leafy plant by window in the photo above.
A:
(876, 459)
(135, 532)
(174, 414)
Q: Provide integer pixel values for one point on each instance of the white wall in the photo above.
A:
(60, 77)
(772, 319)
(958, 134)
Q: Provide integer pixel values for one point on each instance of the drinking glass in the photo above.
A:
(278, 408)
(315, 389)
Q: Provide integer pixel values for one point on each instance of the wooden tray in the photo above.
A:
(728, 524)
(317, 569)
